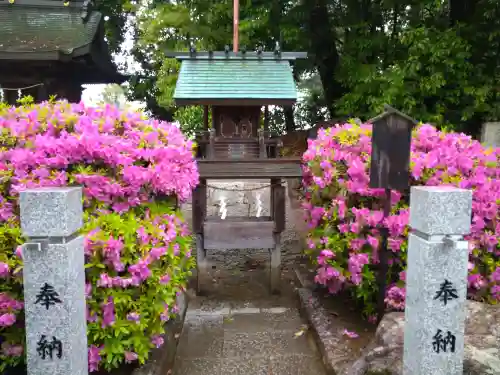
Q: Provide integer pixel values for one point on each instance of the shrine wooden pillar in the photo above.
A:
(266, 118)
(205, 117)
(10, 97)
(71, 91)
(42, 93)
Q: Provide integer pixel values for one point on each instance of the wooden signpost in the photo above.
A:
(389, 170)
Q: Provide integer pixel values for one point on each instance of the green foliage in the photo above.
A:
(26, 100)
(190, 119)
(206, 24)
(11, 238)
(435, 60)
(431, 59)
(152, 300)
(435, 78)
(117, 12)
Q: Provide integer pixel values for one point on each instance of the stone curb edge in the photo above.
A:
(162, 359)
(319, 321)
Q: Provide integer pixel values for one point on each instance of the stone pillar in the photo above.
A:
(279, 217)
(490, 134)
(54, 281)
(436, 281)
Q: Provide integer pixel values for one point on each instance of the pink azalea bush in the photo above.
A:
(137, 246)
(344, 215)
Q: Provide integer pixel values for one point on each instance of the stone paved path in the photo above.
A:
(240, 329)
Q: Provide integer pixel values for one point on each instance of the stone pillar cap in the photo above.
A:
(440, 210)
(51, 211)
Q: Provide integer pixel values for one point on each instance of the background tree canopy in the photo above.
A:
(436, 60)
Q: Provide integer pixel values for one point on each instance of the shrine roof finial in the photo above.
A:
(241, 55)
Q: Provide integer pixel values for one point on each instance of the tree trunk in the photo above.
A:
(289, 119)
(324, 51)
(462, 11)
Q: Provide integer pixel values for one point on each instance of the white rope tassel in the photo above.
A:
(2, 97)
(259, 205)
(19, 94)
(222, 208)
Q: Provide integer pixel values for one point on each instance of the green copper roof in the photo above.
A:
(215, 81)
(46, 32)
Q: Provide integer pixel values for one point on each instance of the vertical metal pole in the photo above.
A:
(383, 258)
(236, 22)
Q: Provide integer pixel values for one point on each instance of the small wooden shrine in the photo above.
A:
(52, 47)
(237, 88)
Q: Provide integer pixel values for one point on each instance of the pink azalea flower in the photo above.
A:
(6, 320)
(108, 313)
(130, 357)
(350, 334)
(133, 317)
(157, 341)
(4, 269)
(339, 204)
(94, 357)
